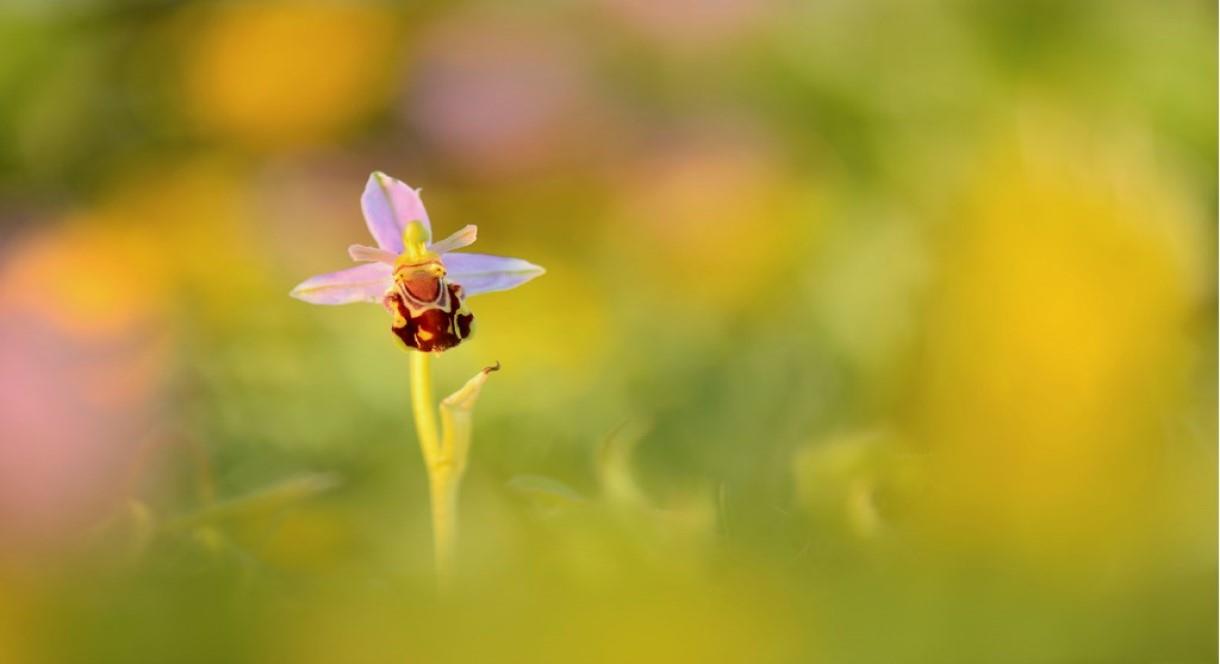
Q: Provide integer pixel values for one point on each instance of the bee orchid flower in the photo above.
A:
(423, 284)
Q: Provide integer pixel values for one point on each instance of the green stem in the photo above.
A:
(444, 476)
(421, 406)
(443, 485)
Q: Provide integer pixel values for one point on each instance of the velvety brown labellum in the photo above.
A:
(435, 328)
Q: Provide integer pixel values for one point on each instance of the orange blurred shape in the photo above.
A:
(1054, 344)
(278, 75)
(191, 231)
(88, 283)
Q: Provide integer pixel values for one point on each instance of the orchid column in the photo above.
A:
(424, 286)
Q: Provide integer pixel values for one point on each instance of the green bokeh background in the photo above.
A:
(872, 331)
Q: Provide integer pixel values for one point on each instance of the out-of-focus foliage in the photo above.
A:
(872, 331)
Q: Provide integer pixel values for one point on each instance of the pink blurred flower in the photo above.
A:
(76, 394)
(502, 98)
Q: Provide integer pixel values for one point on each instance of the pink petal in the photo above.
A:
(462, 238)
(389, 205)
(359, 252)
(363, 283)
(480, 273)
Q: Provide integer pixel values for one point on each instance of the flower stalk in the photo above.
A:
(445, 455)
(421, 405)
(442, 481)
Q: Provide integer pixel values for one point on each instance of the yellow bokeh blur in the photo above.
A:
(1055, 348)
(284, 74)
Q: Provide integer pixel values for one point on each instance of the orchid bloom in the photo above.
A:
(423, 284)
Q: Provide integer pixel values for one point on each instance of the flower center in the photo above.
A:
(418, 271)
(423, 286)
(422, 282)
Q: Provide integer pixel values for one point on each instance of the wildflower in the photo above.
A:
(423, 284)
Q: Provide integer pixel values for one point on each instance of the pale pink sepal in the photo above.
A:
(363, 283)
(481, 273)
(364, 254)
(389, 205)
(463, 238)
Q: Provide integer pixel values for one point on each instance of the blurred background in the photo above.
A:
(877, 331)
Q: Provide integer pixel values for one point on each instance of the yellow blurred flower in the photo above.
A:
(193, 229)
(1053, 344)
(18, 613)
(283, 74)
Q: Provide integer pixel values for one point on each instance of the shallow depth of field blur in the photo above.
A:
(877, 331)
